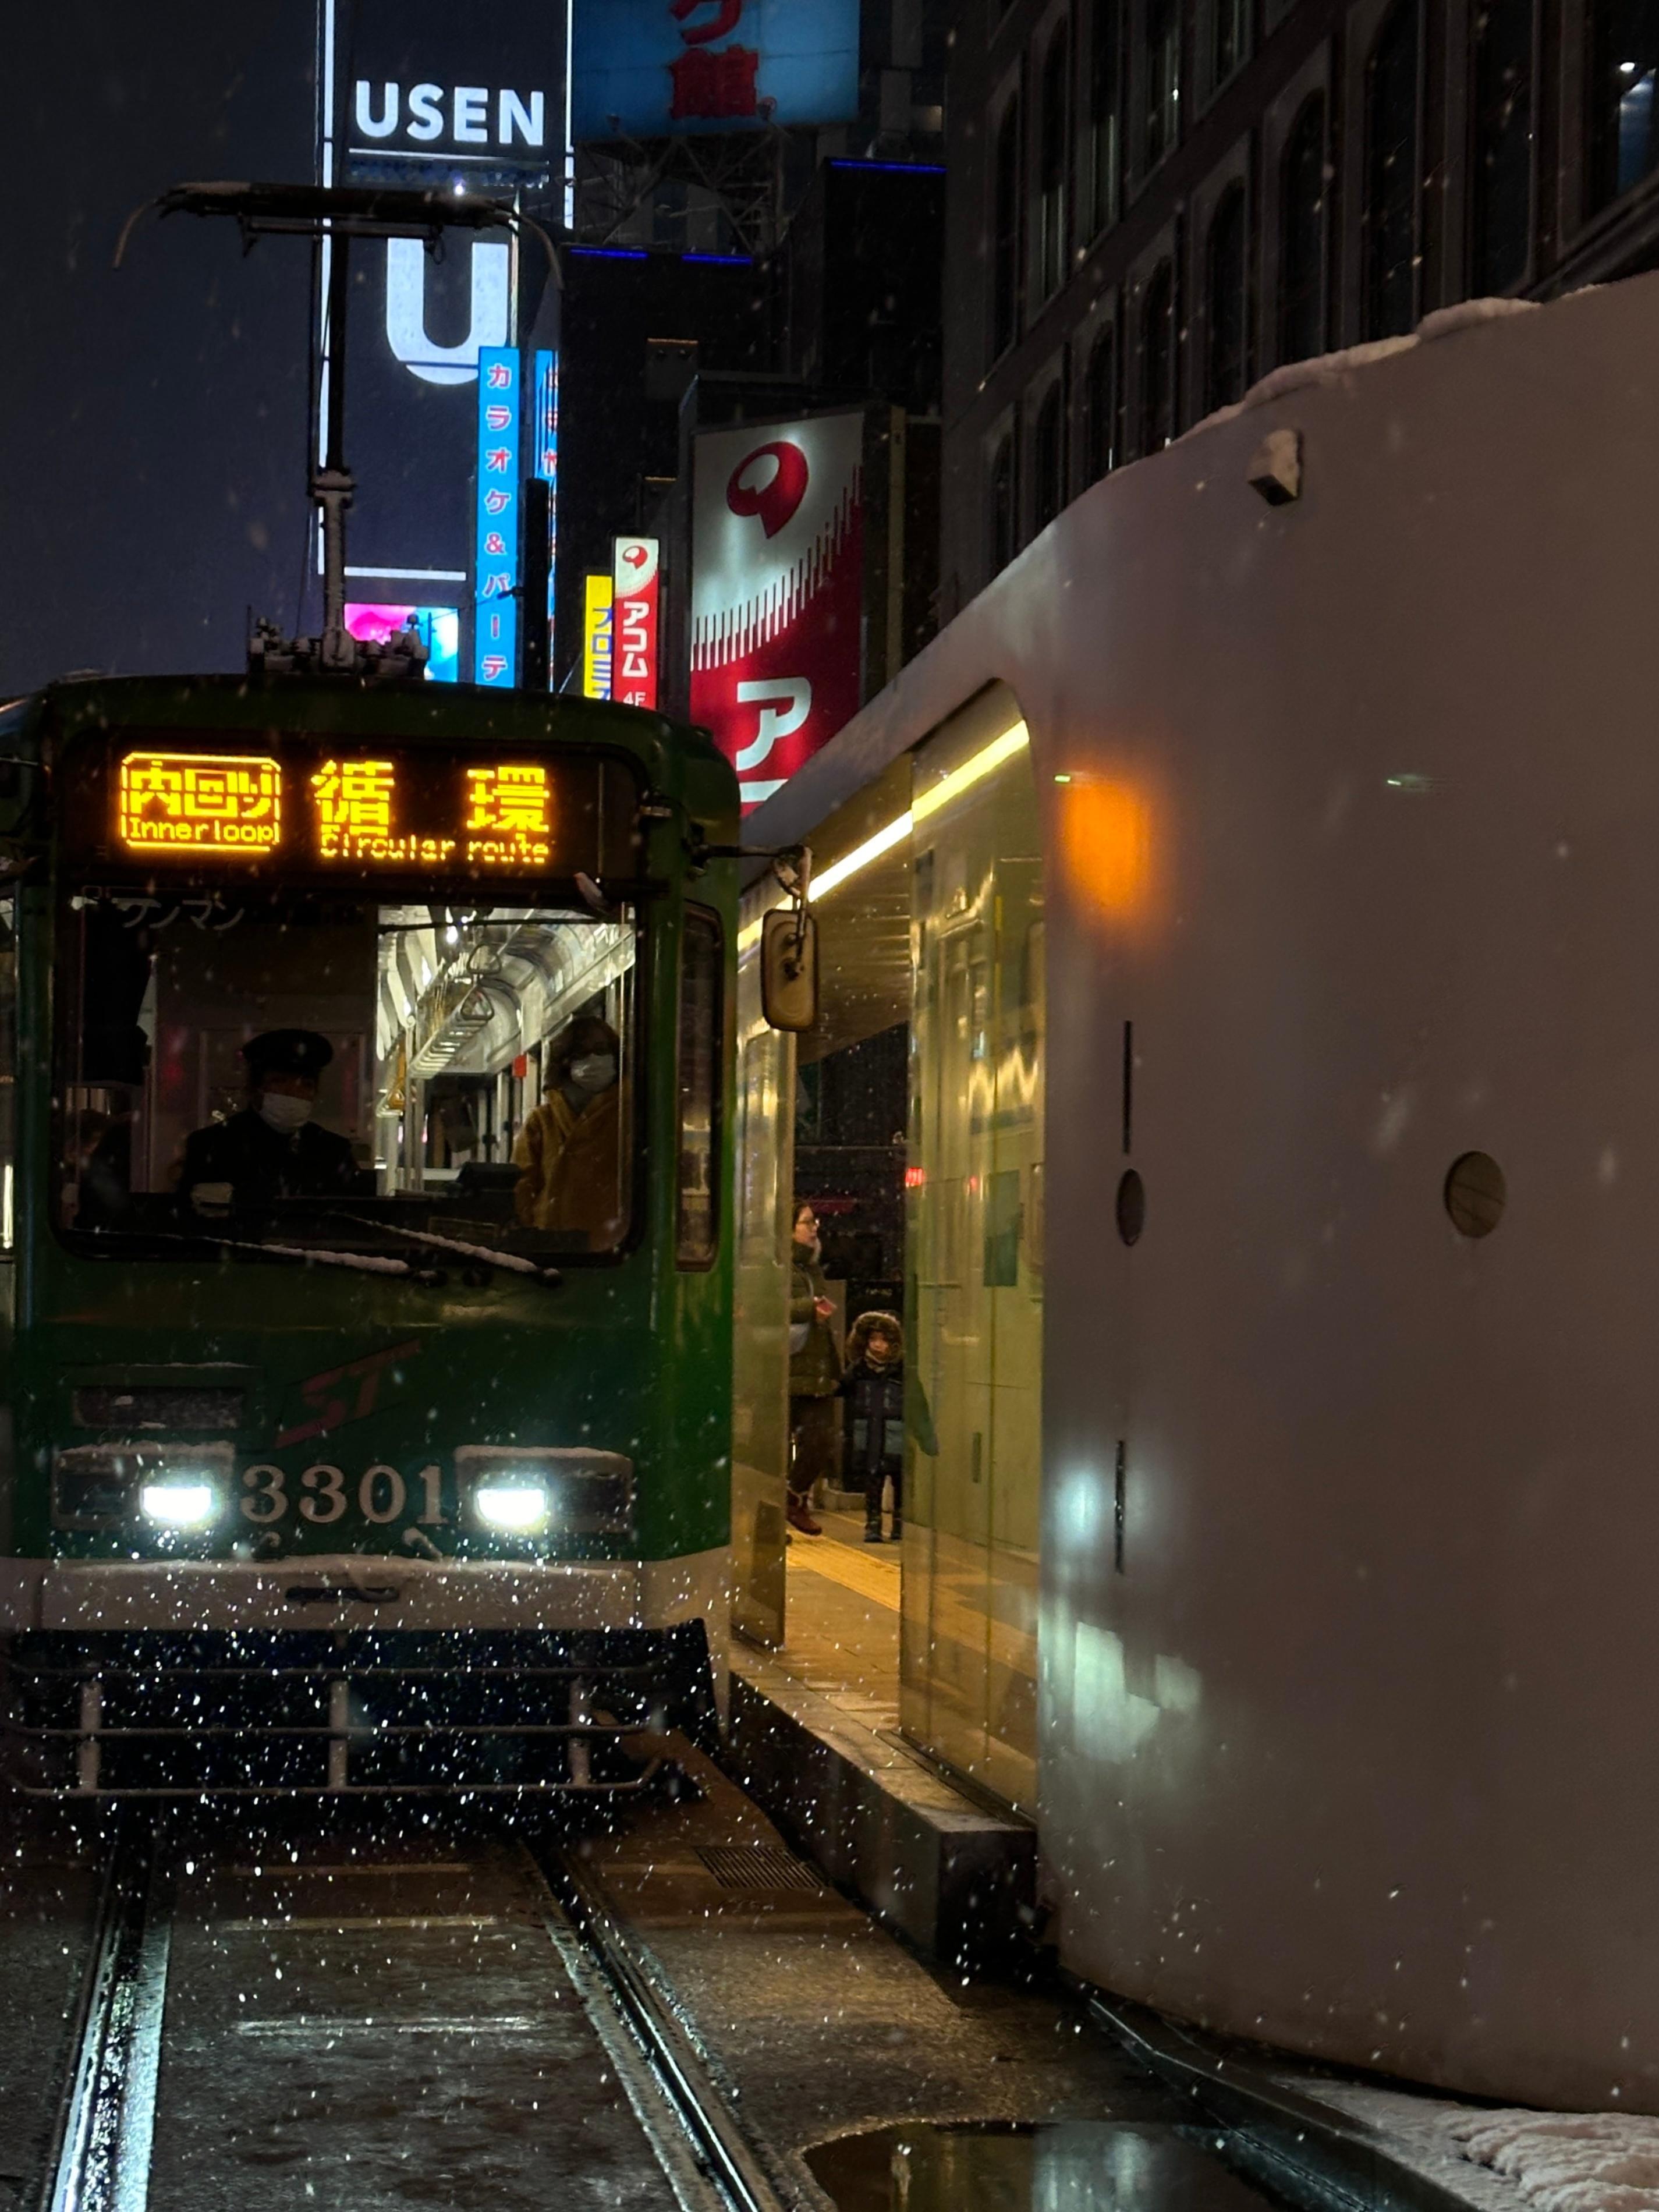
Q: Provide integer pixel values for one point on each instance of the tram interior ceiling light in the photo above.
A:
(973, 771)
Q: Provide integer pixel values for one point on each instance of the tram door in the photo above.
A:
(974, 1254)
(760, 1433)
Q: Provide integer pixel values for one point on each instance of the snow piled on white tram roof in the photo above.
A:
(1568, 2161)
(1327, 369)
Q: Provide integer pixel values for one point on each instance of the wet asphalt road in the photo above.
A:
(369, 2006)
(390, 2027)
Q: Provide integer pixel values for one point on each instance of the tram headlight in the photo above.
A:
(178, 1487)
(546, 1490)
(519, 1507)
(177, 1502)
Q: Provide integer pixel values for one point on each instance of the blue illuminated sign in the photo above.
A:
(547, 463)
(652, 68)
(495, 570)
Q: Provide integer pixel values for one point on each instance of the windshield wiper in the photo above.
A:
(361, 1263)
(486, 1256)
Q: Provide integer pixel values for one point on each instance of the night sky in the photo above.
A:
(154, 418)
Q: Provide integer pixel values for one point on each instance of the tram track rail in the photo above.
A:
(102, 2124)
(98, 2138)
(731, 2166)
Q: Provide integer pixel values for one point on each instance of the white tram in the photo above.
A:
(1269, 892)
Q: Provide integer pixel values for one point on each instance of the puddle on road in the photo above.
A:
(1062, 2165)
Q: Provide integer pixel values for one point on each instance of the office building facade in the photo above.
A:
(1154, 202)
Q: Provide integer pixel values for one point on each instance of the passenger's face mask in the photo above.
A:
(281, 1111)
(593, 1073)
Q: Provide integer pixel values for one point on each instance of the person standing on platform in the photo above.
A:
(874, 1387)
(814, 1373)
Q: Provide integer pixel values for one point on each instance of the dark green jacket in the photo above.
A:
(815, 1369)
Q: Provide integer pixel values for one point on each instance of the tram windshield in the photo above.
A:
(317, 1070)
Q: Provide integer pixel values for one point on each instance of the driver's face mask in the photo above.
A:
(281, 1111)
(593, 1073)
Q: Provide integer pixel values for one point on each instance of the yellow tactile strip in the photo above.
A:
(866, 1572)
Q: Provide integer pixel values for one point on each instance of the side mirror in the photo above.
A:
(789, 969)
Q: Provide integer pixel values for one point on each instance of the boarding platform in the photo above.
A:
(815, 1737)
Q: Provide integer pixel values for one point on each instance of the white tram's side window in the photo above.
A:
(8, 1064)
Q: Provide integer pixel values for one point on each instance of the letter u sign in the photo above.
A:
(406, 311)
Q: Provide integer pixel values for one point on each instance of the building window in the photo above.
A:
(1502, 187)
(1157, 423)
(1100, 406)
(1302, 234)
(1623, 58)
(1051, 154)
(1225, 333)
(1229, 30)
(1104, 104)
(1048, 459)
(1001, 516)
(1389, 217)
(1163, 80)
(1005, 232)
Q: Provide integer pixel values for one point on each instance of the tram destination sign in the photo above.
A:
(319, 808)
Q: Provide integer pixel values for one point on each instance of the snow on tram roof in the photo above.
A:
(1325, 368)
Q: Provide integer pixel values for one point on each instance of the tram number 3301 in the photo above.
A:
(382, 1494)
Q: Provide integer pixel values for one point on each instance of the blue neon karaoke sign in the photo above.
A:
(547, 460)
(495, 570)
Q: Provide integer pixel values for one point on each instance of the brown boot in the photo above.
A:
(799, 1517)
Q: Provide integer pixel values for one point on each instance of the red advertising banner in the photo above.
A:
(634, 611)
(777, 558)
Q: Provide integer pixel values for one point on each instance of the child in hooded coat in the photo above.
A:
(873, 1385)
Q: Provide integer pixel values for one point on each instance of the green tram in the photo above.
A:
(378, 1441)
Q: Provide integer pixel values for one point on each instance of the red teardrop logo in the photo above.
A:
(776, 498)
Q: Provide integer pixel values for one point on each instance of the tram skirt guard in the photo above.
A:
(373, 1712)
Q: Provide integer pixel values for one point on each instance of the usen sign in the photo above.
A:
(430, 91)
(462, 115)
(777, 590)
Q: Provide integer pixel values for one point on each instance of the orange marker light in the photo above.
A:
(226, 802)
(1106, 847)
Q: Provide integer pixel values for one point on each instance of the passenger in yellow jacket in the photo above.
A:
(571, 1147)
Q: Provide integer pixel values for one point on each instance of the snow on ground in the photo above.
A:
(1568, 2161)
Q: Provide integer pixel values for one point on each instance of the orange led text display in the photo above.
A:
(505, 819)
(200, 802)
(445, 816)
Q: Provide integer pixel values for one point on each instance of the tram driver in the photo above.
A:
(273, 1148)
